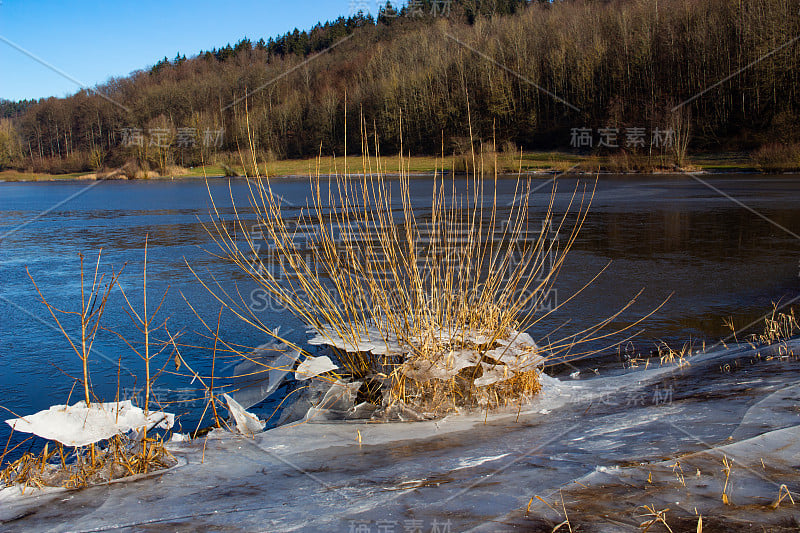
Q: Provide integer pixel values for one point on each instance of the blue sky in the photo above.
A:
(91, 41)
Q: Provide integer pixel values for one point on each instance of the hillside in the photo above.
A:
(528, 75)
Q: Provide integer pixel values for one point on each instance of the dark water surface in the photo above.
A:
(667, 234)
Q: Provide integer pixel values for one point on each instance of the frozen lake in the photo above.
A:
(664, 234)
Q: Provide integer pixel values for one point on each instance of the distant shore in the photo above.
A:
(545, 163)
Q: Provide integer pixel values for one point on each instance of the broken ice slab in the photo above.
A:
(337, 402)
(493, 374)
(518, 339)
(255, 378)
(314, 366)
(246, 423)
(79, 425)
(371, 340)
(443, 368)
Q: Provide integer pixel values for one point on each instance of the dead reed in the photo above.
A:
(778, 327)
(428, 304)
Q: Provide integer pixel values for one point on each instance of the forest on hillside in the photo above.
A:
(515, 73)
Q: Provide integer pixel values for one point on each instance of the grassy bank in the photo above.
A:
(15, 175)
(549, 162)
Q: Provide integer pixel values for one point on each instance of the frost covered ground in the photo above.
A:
(607, 444)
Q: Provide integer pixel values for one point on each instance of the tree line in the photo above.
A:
(523, 74)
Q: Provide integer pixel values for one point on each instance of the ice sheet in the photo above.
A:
(479, 472)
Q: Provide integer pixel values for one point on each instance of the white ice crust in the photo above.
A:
(314, 366)
(515, 352)
(78, 425)
(370, 341)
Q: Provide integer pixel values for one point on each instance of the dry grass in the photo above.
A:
(119, 458)
(674, 356)
(783, 493)
(657, 516)
(114, 458)
(93, 305)
(727, 465)
(563, 511)
(778, 327)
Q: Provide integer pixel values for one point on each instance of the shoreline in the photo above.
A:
(529, 163)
